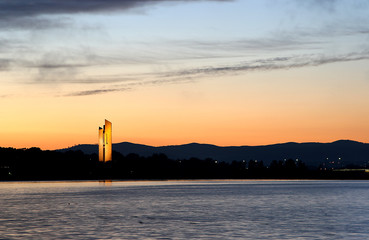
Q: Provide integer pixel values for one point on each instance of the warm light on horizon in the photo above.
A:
(187, 81)
(164, 142)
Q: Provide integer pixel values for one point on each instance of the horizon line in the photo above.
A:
(169, 145)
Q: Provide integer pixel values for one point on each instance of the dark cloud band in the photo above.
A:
(21, 8)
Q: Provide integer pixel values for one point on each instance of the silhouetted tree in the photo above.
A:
(35, 164)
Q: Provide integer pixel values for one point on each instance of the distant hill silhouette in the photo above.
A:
(335, 154)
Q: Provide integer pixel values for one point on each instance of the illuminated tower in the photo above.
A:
(105, 142)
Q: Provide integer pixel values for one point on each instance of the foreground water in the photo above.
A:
(185, 210)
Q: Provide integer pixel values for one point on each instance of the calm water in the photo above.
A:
(185, 210)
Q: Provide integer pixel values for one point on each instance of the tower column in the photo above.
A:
(105, 142)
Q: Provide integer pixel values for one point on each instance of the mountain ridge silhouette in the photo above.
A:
(340, 152)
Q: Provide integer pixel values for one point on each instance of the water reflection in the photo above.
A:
(107, 183)
(185, 210)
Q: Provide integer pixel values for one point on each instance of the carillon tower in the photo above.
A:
(105, 142)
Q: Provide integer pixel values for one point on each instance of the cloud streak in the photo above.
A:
(130, 86)
(271, 64)
(195, 74)
(95, 92)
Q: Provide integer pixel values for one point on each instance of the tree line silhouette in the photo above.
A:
(36, 164)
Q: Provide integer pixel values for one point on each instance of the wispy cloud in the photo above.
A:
(289, 62)
(328, 5)
(196, 74)
(281, 49)
(4, 64)
(123, 87)
(69, 67)
(33, 23)
(95, 92)
(277, 42)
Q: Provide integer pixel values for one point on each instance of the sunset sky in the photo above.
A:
(242, 72)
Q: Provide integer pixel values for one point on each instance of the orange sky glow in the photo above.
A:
(226, 77)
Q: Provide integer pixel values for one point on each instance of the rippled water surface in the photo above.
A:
(185, 210)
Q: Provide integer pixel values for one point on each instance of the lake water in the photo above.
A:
(185, 210)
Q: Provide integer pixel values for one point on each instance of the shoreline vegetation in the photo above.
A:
(34, 164)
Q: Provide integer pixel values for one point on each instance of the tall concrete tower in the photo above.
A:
(105, 142)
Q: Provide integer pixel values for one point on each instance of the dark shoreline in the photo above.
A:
(37, 165)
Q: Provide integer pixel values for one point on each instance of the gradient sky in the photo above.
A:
(242, 72)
